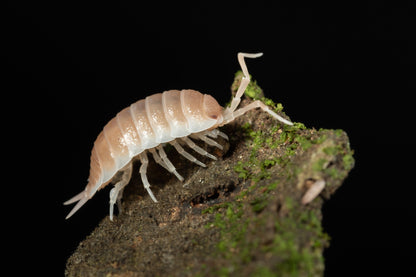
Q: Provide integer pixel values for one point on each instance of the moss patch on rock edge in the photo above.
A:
(240, 216)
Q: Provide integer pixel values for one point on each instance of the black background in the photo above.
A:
(70, 67)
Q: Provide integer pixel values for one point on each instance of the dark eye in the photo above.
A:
(213, 116)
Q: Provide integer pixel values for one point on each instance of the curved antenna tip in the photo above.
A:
(251, 55)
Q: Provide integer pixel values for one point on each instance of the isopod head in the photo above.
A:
(212, 109)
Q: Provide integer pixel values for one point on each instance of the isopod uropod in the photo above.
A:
(147, 125)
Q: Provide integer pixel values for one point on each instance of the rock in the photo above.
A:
(242, 215)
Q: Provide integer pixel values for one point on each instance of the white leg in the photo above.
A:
(157, 158)
(264, 107)
(207, 140)
(116, 193)
(198, 149)
(186, 154)
(215, 133)
(169, 165)
(143, 170)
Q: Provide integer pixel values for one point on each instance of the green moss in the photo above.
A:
(259, 203)
(216, 208)
(330, 150)
(233, 223)
(288, 138)
(294, 257)
(253, 90)
(271, 186)
(295, 127)
(334, 173)
(319, 165)
(263, 271)
(304, 142)
(240, 168)
(339, 132)
(348, 160)
(237, 246)
(233, 228)
(277, 107)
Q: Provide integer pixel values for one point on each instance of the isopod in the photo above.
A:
(172, 117)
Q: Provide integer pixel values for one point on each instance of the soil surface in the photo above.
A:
(242, 215)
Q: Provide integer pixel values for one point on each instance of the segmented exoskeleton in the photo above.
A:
(172, 117)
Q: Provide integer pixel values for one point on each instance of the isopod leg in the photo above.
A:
(116, 193)
(264, 107)
(143, 169)
(209, 141)
(157, 158)
(198, 149)
(186, 154)
(169, 165)
(215, 133)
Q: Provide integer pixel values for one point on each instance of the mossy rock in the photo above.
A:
(242, 215)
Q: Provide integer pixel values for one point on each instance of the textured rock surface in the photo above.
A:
(240, 216)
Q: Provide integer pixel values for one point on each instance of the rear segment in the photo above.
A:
(109, 154)
(94, 182)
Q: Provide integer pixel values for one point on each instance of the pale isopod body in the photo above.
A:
(145, 126)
